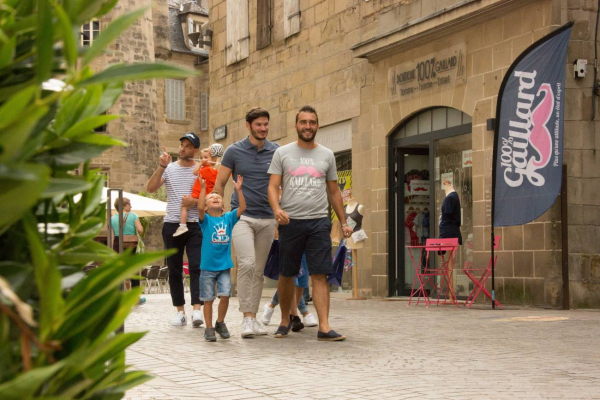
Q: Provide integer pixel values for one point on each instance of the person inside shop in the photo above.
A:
(450, 216)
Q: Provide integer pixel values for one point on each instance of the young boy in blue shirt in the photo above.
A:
(216, 262)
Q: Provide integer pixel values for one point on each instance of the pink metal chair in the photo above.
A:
(435, 276)
(480, 282)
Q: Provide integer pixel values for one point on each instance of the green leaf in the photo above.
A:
(110, 33)
(22, 25)
(100, 139)
(47, 278)
(111, 348)
(88, 125)
(111, 93)
(141, 71)
(7, 51)
(19, 277)
(93, 196)
(128, 300)
(71, 155)
(69, 111)
(132, 379)
(68, 38)
(85, 253)
(15, 108)
(65, 186)
(14, 136)
(22, 185)
(28, 383)
(109, 275)
(90, 9)
(45, 41)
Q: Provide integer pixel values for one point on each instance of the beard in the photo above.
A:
(255, 134)
(309, 139)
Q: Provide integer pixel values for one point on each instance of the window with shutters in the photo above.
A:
(204, 111)
(291, 17)
(175, 99)
(89, 32)
(238, 35)
(263, 24)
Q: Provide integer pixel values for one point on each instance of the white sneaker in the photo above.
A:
(258, 328)
(267, 314)
(179, 319)
(197, 320)
(247, 331)
(310, 320)
(180, 231)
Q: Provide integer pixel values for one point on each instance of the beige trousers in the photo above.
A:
(252, 239)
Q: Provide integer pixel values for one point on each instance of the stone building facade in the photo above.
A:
(145, 125)
(161, 35)
(353, 61)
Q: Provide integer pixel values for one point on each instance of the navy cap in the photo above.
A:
(191, 136)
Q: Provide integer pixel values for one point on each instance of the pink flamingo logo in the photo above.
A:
(540, 138)
(305, 169)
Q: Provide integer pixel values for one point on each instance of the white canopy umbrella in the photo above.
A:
(142, 206)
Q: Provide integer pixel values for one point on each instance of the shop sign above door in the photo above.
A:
(442, 70)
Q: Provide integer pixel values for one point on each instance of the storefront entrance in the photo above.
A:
(431, 146)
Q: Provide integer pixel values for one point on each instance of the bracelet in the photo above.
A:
(343, 225)
(162, 166)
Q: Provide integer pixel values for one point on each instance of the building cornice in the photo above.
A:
(435, 26)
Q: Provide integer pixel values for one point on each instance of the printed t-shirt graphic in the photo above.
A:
(216, 241)
(304, 175)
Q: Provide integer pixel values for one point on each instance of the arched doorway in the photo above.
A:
(432, 144)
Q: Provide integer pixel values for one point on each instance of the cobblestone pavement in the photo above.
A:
(392, 351)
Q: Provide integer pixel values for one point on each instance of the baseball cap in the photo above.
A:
(191, 136)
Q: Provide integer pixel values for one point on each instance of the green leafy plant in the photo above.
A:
(57, 323)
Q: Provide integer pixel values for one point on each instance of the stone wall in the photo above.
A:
(143, 125)
(582, 145)
(130, 167)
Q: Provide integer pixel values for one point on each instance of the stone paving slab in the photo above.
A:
(392, 352)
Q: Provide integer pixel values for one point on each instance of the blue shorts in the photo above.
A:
(208, 280)
(302, 281)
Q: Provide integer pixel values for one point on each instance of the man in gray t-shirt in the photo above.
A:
(304, 179)
(307, 173)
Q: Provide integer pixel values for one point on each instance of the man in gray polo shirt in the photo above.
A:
(253, 234)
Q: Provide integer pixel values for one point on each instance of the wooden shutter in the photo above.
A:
(204, 111)
(238, 36)
(291, 17)
(175, 99)
(263, 24)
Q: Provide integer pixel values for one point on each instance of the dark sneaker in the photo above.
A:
(222, 330)
(330, 336)
(209, 335)
(282, 332)
(297, 324)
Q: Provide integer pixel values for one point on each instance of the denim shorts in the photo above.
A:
(302, 281)
(208, 280)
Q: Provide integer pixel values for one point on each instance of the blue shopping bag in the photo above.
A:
(272, 266)
(335, 278)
